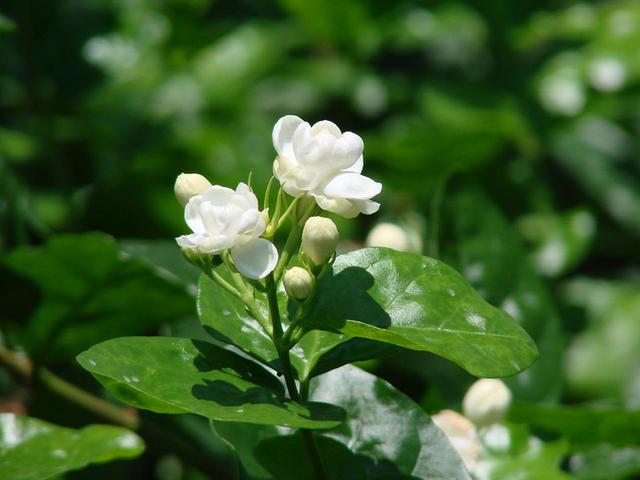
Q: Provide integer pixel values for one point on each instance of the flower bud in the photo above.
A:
(486, 401)
(189, 185)
(298, 283)
(319, 239)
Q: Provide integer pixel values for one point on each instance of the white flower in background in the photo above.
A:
(607, 74)
(486, 401)
(324, 163)
(390, 235)
(223, 219)
(319, 239)
(461, 434)
(189, 185)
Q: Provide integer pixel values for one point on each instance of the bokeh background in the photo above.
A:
(505, 135)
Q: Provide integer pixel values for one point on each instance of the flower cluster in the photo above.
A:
(318, 163)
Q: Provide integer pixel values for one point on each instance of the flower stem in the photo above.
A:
(287, 370)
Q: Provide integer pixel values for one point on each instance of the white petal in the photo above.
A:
(189, 241)
(326, 126)
(248, 221)
(255, 258)
(244, 190)
(283, 131)
(218, 195)
(192, 214)
(342, 207)
(367, 206)
(347, 151)
(356, 167)
(352, 185)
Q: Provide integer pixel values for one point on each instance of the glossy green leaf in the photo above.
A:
(31, 449)
(286, 458)
(91, 292)
(174, 375)
(387, 434)
(419, 303)
(226, 319)
(386, 427)
(581, 424)
(606, 462)
(491, 256)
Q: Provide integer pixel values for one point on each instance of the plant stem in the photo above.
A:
(125, 417)
(283, 354)
(215, 276)
(283, 351)
(435, 207)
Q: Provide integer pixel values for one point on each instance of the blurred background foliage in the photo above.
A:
(505, 134)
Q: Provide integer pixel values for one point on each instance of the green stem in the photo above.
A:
(125, 417)
(283, 354)
(216, 277)
(283, 351)
(435, 207)
(290, 246)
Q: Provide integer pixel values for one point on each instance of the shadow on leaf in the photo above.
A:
(344, 296)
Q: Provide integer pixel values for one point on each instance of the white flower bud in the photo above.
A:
(393, 236)
(189, 185)
(486, 401)
(298, 283)
(461, 434)
(319, 239)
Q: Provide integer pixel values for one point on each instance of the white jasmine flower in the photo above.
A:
(324, 163)
(223, 219)
(486, 401)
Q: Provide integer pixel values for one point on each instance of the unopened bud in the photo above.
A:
(298, 283)
(319, 239)
(486, 401)
(189, 185)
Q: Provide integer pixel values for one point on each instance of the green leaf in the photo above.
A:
(164, 258)
(606, 462)
(419, 303)
(386, 427)
(31, 449)
(90, 292)
(226, 319)
(582, 425)
(286, 458)
(387, 434)
(490, 254)
(174, 375)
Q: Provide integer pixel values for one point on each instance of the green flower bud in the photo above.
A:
(319, 239)
(189, 185)
(486, 401)
(298, 283)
